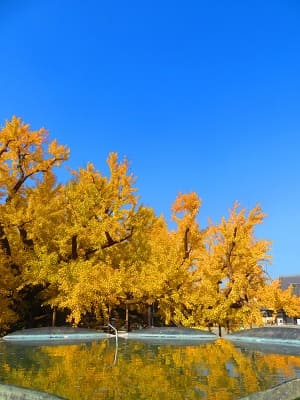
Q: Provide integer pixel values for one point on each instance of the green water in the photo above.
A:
(214, 370)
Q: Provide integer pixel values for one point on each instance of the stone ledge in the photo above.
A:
(288, 391)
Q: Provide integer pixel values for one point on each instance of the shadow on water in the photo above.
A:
(218, 370)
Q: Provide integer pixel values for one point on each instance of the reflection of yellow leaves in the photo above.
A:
(215, 371)
(282, 363)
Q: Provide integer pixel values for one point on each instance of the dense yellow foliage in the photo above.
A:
(90, 246)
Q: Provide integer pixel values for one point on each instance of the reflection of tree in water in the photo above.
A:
(22, 357)
(216, 370)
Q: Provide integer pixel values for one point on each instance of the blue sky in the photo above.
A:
(199, 95)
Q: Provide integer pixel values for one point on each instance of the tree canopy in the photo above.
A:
(89, 248)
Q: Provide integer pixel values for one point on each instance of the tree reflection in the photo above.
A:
(213, 371)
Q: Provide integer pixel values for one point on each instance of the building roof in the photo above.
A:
(288, 280)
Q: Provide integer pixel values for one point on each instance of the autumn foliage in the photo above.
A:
(89, 249)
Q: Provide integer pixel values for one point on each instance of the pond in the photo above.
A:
(139, 370)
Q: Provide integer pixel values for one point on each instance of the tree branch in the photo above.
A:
(111, 242)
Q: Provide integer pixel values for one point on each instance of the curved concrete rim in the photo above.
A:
(12, 392)
(31, 338)
(178, 333)
(252, 339)
(129, 335)
(280, 335)
(288, 391)
(55, 333)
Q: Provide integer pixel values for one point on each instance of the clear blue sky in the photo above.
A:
(199, 95)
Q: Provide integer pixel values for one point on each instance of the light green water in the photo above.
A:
(215, 370)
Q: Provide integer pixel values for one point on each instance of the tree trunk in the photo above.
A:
(54, 316)
(150, 314)
(127, 317)
(4, 243)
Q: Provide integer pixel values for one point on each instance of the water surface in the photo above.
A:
(139, 370)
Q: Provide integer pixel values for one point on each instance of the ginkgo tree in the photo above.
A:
(231, 270)
(26, 157)
(275, 299)
(89, 247)
(173, 258)
(94, 242)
